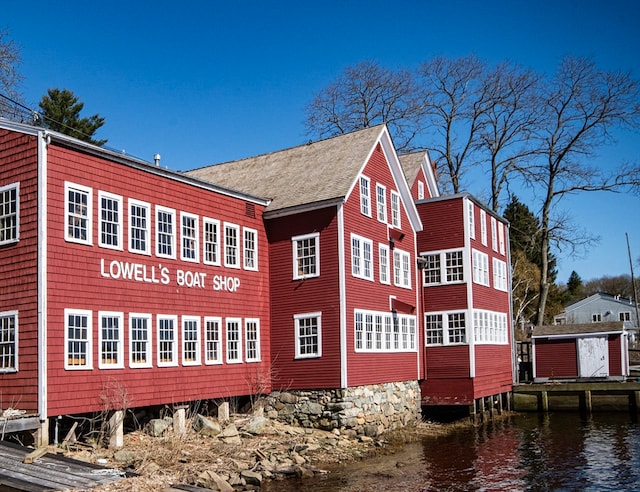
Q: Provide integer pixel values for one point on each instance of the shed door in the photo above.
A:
(593, 357)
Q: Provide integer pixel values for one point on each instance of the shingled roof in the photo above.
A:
(569, 330)
(320, 171)
(411, 165)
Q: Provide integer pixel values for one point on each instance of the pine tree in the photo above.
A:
(61, 112)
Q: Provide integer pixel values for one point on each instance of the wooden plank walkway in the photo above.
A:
(49, 472)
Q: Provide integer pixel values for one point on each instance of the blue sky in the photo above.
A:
(202, 82)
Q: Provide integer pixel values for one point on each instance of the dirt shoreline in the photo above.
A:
(244, 460)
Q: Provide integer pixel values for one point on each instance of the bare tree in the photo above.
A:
(366, 95)
(10, 78)
(582, 106)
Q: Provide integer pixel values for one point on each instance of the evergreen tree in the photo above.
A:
(61, 112)
(575, 288)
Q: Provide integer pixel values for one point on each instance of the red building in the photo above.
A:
(123, 284)
(341, 228)
(580, 351)
(466, 302)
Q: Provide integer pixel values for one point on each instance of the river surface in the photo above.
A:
(557, 452)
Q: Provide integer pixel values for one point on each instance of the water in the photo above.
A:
(558, 452)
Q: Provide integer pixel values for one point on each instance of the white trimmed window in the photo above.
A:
(471, 220)
(306, 256)
(445, 328)
(401, 268)
(231, 245)
(250, 248)
(361, 257)
(212, 340)
(234, 340)
(110, 220)
(444, 267)
(483, 227)
(489, 327)
(252, 339)
(384, 332)
(139, 340)
(494, 234)
(78, 213)
(165, 232)
(420, 190)
(8, 341)
(211, 241)
(381, 202)
(111, 340)
(139, 227)
(77, 339)
(308, 335)
(190, 340)
(383, 257)
(596, 317)
(501, 238)
(365, 196)
(395, 210)
(167, 336)
(624, 316)
(499, 275)
(190, 250)
(480, 267)
(9, 214)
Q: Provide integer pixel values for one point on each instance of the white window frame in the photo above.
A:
(148, 342)
(118, 341)
(87, 341)
(105, 224)
(434, 329)
(489, 327)
(191, 345)
(231, 251)
(494, 234)
(401, 268)
(420, 190)
(252, 340)
(365, 196)
(10, 214)
(381, 203)
(384, 262)
(145, 232)
(9, 341)
(83, 216)
(396, 216)
(166, 238)
(161, 340)
(480, 262)
(189, 237)
(451, 335)
(212, 340)
(624, 316)
(483, 227)
(299, 265)
(500, 275)
(446, 270)
(383, 332)
(501, 238)
(233, 344)
(211, 248)
(361, 261)
(301, 338)
(250, 251)
(471, 219)
(596, 317)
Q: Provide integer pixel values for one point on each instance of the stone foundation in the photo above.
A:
(363, 410)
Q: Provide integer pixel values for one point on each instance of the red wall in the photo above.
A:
(76, 281)
(317, 294)
(18, 270)
(614, 344)
(556, 358)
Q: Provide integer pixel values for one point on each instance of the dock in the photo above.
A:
(586, 396)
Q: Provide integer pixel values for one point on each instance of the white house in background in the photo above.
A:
(599, 308)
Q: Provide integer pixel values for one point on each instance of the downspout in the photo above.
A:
(43, 142)
(343, 298)
(419, 330)
(468, 267)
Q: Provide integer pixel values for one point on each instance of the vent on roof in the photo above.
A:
(250, 210)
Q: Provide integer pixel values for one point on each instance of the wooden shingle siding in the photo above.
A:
(556, 358)
(18, 270)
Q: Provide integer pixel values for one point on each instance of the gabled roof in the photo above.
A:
(568, 331)
(313, 174)
(412, 163)
(598, 296)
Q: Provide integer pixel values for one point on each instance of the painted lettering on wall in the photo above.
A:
(139, 272)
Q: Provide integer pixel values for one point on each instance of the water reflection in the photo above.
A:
(558, 452)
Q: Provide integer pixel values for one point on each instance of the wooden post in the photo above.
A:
(544, 401)
(42, 434)
(180, 421)
(116, 429)
(635, 400)
(587, 401)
